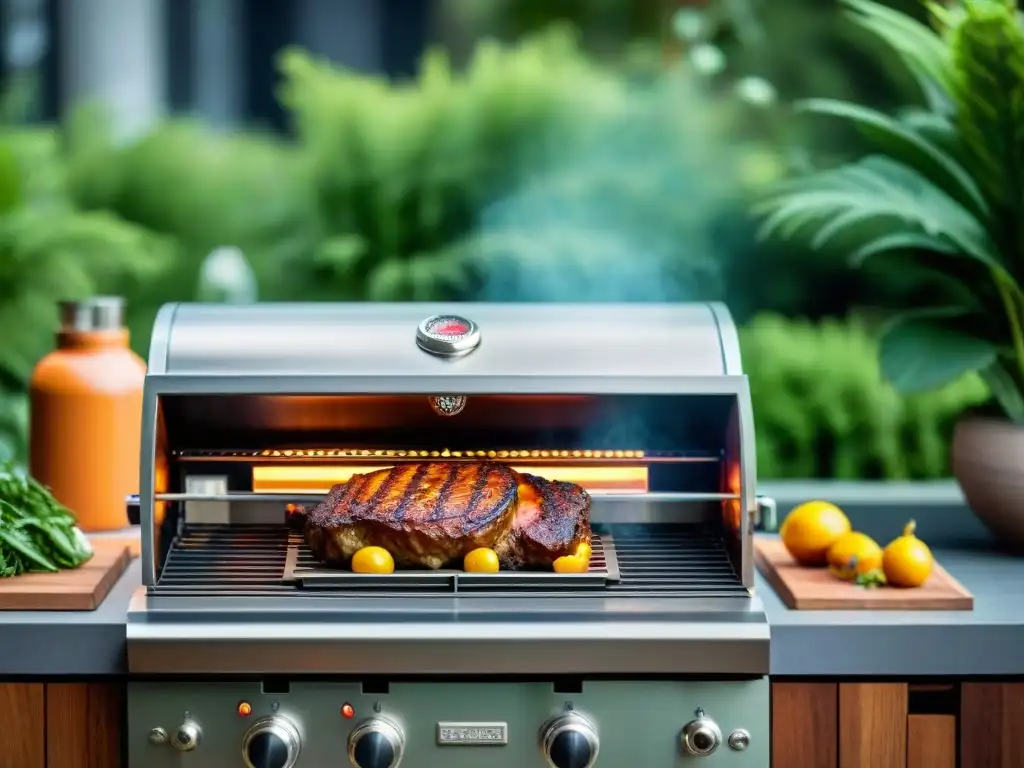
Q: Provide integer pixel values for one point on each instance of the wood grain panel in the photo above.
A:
(803, 588)
(23, 715)
(931, 741)
(873, 725)
(84, 725)
(81, 589)
(804, 722)
(991, 725)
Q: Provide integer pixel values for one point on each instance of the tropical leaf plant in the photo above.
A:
(940, 195)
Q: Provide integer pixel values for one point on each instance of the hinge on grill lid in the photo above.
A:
(765, 514)
(207, 512)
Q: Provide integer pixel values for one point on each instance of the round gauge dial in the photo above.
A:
(448, 336)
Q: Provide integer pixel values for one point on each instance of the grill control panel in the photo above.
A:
(449, 724)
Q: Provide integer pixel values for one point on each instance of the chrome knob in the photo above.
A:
(376, 743)
(186, 736)
(569, 741)
(701, 737)
(157, 736)
(738, 740)
(271, 742)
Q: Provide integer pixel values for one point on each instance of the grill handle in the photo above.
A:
(765, 515)
(134, 507)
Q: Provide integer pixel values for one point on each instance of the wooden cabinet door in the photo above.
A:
(873, 725)
(84, 725)
(804, 721)
(931, 741)
(23, 721)
(992, 725)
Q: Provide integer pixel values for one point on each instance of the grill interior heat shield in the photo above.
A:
(253, 412)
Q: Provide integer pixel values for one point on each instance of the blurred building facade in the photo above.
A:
(212, 58)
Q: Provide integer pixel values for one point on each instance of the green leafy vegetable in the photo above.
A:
(37, 532)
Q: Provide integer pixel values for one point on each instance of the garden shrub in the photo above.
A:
(822, 410)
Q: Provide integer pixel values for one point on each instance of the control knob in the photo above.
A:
(271, 742)
(376, 743)
(186, 736)
(701, 737)
(569, 741)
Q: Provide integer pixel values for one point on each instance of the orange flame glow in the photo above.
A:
(318, 478)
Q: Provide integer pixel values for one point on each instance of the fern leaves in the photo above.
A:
(877, 205)
(904, 143)
(987, 51)
(947, 182)
(922, 50)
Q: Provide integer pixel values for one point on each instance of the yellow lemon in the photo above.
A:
(482, 560)
(907, 561)
(373, 560)
(579, 562)
(853, 554)
(810, 529)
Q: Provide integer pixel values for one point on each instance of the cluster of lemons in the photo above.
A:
(818, 533)
(480, 560)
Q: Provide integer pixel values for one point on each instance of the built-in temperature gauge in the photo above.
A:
(271, 742)
(376, 743)
(569, 741)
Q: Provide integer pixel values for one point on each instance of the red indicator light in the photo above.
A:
(347, 711)
(452, 329)
(244, 708)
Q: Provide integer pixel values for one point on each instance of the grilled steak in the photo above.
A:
(425, 515)
(552, 518)
(431, 515)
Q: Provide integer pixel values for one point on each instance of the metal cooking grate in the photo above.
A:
(302, 568)
(653, 561)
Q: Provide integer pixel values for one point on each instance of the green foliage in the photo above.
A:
(199, 190)
(941, 196)
(823, 411)
(50, 252)
(427, 189)
(13, 424)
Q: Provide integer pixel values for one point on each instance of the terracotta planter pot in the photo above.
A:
(988, 462)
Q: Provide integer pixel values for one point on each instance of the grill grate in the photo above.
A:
(303, 569)
(653, 561)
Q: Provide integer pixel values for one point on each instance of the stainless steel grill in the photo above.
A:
(251, 561)
(658, 653)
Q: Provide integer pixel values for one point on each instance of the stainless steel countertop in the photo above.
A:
(985, 641)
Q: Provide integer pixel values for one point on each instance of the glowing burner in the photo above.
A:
(448, 336)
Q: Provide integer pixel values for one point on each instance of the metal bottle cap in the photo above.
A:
(448, 336)
(99, 313)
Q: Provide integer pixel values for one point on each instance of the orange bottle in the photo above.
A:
(86, 414)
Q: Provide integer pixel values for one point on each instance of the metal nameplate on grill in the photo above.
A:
(472, 734)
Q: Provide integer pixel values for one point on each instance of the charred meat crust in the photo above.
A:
(426, 515)
(563, 522)
(431, 515)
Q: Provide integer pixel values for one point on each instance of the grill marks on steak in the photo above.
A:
(432, 514)
(552, 518)
(425, 515)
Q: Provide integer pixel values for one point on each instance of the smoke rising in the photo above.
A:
(621, 207)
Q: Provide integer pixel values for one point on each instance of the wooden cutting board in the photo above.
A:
(82, 589)
(810, 589)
